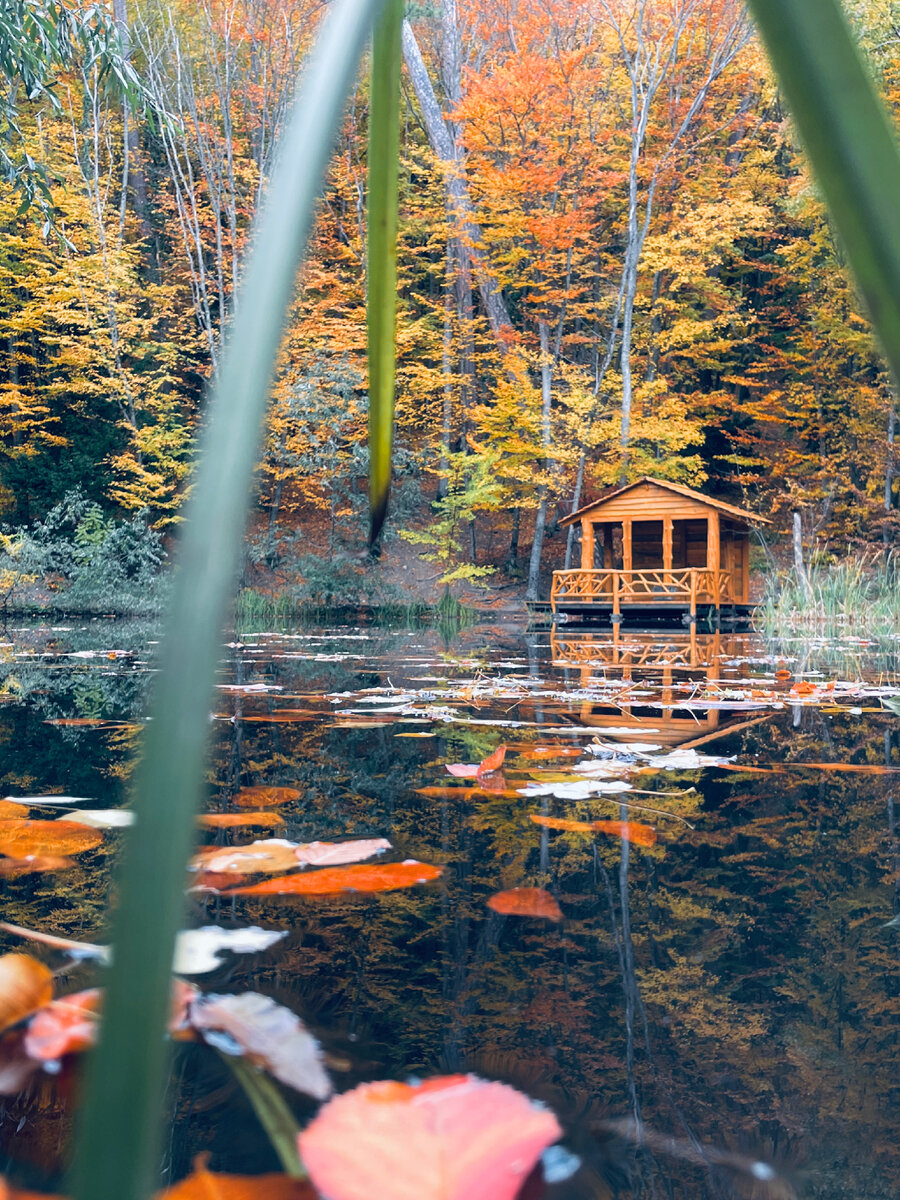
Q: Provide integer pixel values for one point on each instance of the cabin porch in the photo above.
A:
(657, 547)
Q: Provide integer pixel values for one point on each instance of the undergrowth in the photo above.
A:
(858, 596)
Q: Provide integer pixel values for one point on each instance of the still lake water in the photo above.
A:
(733, 987)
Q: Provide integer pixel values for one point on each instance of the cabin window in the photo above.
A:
(647, 545)
(689, 543)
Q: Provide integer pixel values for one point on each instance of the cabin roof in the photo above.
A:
(742, 514)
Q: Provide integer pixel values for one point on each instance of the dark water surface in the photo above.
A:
(732, 987)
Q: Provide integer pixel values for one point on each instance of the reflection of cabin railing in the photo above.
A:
(691, 587)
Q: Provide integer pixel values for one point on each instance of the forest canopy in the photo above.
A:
(612, 259)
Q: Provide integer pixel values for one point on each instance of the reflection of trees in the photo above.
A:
(730, 987)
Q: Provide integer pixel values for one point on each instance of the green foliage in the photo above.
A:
(97, 564)
(472, 486)
(859, 597)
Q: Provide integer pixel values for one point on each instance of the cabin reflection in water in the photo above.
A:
(662, 663)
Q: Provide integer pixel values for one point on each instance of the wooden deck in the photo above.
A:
(617, 591)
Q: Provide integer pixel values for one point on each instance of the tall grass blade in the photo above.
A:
(117, 1140)
(273, 1113)
(384, 154)
(849, 141)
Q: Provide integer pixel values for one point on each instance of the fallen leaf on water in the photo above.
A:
(276, 854)
(208, 1185)
(802, 688)
(539, 752)
(266, 1033)
(79, 949)
(450, 1138)
(331, 881)
(273, 854)
(12, 810)
(262, 797)
(106, 818)
(25, 986)
(66, 1026)
(327, 854)
(630, 831)
(33, 864)
(261, 820)
(200, 950)
(526, 902)
(49, 801)
(285, 716)
(493, 762)
(24, 837)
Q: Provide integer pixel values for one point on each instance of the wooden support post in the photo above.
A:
(615, 595)
(712, 553)
(587, 546)
(693, 596)
(667, 550)
(626, 544)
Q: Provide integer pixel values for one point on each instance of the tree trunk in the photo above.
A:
(512, 558)
(889, 472)
(540, 521)
(459, 202)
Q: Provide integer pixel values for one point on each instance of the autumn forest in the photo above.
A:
(612, 263)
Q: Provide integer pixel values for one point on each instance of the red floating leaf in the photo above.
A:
(493, 762)
(526, 902)
(67, 1026)
(451, 1138)
(208, 1185)
(331, 881)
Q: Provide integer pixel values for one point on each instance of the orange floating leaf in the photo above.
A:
(67, 1026)
(630, 831)
(262, 797)
(19, 838)
(207, 1185)
(526, 902)
(9, 810)
(266, 856)
(33, 864)
(539, 752)
(493, 762)
(25, 986)
(331, 881)
(261, 820)
(802, 688)
(782, 674)
(451, 1138)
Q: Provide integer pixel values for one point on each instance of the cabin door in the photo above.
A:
(737, 548)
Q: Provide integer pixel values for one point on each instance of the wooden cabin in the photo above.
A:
(655, 546)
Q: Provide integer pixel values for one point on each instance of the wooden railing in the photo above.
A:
(690, 586)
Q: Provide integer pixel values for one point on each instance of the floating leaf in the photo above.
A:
(207, 1185)
(200, 950)
(23, 837)
(539, 752)
(80, 949)
(261, 820)
(276, 854)
(262, 797)
(526, 902)
(463, 770)
(630, 831)
(493, 762)
(25, 986)
(273, 854)
(66, 1026)
(451, 1138)
(49, 801)
(268, 1034)
(106, 818)
(12, 810)
(331, 881)
(326, 854)
(284, 716)
(33, 864)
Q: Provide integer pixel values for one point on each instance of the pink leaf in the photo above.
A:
(455, 1137)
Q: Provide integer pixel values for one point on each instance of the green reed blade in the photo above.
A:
(272, 1112)
(849, 141)
(384, 154)
(116, 1154)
